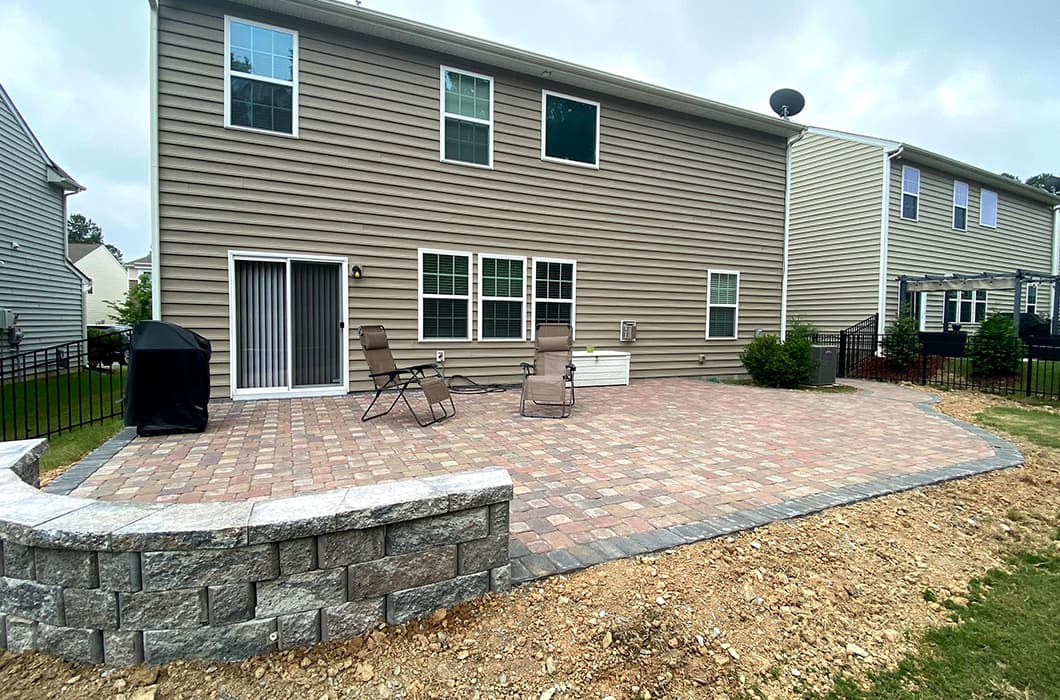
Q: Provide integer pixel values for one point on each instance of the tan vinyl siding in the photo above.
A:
(36, 281)
(931, 246)
(673, 197)
(834, 247)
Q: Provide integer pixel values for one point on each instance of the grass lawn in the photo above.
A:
(1006, 645)
(72, 445)
(29, 408)
(1039, 427)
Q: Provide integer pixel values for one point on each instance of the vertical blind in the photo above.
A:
(316, 312)
(261, 324)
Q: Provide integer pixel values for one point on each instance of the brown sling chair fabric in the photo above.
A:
(549, 379)
(387, 375)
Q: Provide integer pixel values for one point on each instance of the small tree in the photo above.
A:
(901, 345)
(995, 349)
(136, 306)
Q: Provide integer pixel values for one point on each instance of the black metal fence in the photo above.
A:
(854, 345)
(944, 362)
(51, 390)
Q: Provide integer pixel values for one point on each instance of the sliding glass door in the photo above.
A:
(288, 325)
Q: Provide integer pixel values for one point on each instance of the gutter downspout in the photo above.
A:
(156, 252)
(1054, 270)
(787, 234)
(885, 225)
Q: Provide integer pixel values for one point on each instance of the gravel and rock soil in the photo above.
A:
(776, 611)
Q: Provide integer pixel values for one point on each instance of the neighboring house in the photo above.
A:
(865, 211)
(109, 279)
(137, 267)
(321, 166)
(37, 280)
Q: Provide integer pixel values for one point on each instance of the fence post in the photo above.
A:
(923, 368)
(1030, 369)
(841, 363)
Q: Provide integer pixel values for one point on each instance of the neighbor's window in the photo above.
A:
(960, 205)
(570, 129)
(910, 193)
(1032, 298)
(723, 294)
(966, 307)
(445, 295)
(467, 117)
(501, 297)
(988, 208)
(554, 282)
(261, 77)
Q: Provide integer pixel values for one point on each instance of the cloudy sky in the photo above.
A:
(978, 84)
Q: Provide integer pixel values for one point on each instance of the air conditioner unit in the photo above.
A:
(627, 331)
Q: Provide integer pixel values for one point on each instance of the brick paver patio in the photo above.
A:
(631, 460)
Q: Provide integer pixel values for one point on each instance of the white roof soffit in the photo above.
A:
(346, 15)
(983, 177)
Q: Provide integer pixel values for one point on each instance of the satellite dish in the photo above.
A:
(787, 102)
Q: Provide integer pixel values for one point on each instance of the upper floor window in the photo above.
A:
(445, 295)
(261, 77)
(910, 193)
(570, 129)
(723, 298)
(467, 117)
(960, 205)
(988, 208)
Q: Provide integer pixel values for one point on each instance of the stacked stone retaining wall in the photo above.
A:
(97, 581)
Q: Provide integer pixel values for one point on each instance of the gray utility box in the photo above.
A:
(825, 358)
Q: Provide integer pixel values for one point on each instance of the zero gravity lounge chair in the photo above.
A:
(549, 379)
(387, 375)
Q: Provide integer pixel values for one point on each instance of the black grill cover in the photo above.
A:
(169, 380)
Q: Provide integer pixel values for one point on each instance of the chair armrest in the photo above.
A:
(528, 368)
(388, 373)
(572, 368)
(414, 368)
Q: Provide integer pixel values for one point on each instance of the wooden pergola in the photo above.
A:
(987, 280)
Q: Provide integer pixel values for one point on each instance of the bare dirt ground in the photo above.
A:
(779, 610)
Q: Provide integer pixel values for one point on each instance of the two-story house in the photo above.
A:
(320, 166)
(41, 293)
(109, 279)
(866, 211)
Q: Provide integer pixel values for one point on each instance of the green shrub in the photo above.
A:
(901, 345)
(787, 365)
(995, 348)
(105, 347)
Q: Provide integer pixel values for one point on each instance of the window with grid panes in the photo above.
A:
(722, 304)
(467, 117)
(553, 292)
(967, 306)
(262, 75)
(446, 295)
(502, 295)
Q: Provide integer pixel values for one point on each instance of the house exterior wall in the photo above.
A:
(109, 284)
(931, 246)
(834, 244)
(674, 196)
(39, 284)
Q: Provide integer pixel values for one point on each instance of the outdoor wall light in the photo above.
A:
(357, 272)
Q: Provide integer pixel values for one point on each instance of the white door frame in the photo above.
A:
(344, 336)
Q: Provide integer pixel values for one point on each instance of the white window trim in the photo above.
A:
(985, 302)
(956, 205)
(901, 202)
(420, 295)
(442, 114)
(482, 298)
(1030, 304)
(573, 295)
(997, 205)
(228, 77)
(290, 392)
(736, 307)
(544, 98)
